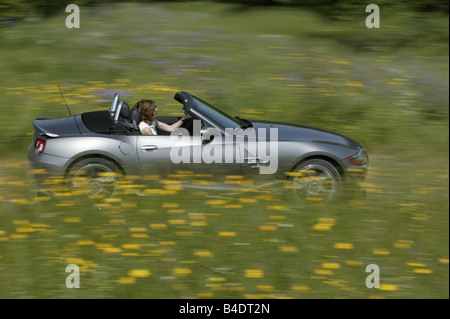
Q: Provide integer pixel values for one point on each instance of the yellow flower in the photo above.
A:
(138, 229)
(267, 227)
(167, 243)
(343, 245)
(72, 220)
(381, 252)
(353, 263)
(300, 288)
(181, 271)
(415, 264)
(324, 272)
(85, 242)
(324, 224)
(265, 288)
(112, 250)
(388, 287)
(254, 273)
(288, 249)
(227, 234)
(203, 253)
(422, 271)
(127, 280)
(331, 265)
(131, 246)
(139, 273)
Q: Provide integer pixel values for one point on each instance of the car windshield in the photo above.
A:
(215, 115)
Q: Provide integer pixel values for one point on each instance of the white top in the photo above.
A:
(152, 127)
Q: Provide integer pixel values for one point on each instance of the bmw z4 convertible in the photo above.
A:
(93, 151)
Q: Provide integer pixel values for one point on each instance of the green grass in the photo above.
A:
(287, 65)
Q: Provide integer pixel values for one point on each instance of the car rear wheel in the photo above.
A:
(315, 181)
(93, 178)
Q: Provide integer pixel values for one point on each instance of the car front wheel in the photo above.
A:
(315, 181)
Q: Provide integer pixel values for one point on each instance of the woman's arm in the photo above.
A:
(169, 128)
(146, 131)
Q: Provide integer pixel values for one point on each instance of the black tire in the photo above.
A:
(315, 181)
(93, 179)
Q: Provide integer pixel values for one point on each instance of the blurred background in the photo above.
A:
(309, 62)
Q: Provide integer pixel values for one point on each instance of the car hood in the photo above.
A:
(307, 134)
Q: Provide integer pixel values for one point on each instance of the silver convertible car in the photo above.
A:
(93, 151)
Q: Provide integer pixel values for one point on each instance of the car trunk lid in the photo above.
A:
(55, 127)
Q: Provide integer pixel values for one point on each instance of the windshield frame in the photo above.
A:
(214, 115)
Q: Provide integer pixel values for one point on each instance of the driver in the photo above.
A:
(149, 124)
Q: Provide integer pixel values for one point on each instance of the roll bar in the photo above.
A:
(117, 114)
(112, 109)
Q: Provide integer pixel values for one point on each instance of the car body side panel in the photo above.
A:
(164, 154)
(289, 154)
(120, 148)
(50, 163)
(153, 154)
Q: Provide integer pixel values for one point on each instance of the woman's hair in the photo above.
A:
(147, 109)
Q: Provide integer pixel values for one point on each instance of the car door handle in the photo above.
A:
(149, 148)
(256, 162)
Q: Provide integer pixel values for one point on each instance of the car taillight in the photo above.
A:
(40, 144)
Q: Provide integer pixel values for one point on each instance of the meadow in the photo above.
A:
(386, 88)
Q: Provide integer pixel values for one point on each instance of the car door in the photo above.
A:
(207, 161)
(192, 161)
(154, 154)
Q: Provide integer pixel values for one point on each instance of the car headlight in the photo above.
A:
(359, 158)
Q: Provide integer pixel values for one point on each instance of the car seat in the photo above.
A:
(135, 118)
(127, 122)
(125, 113)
